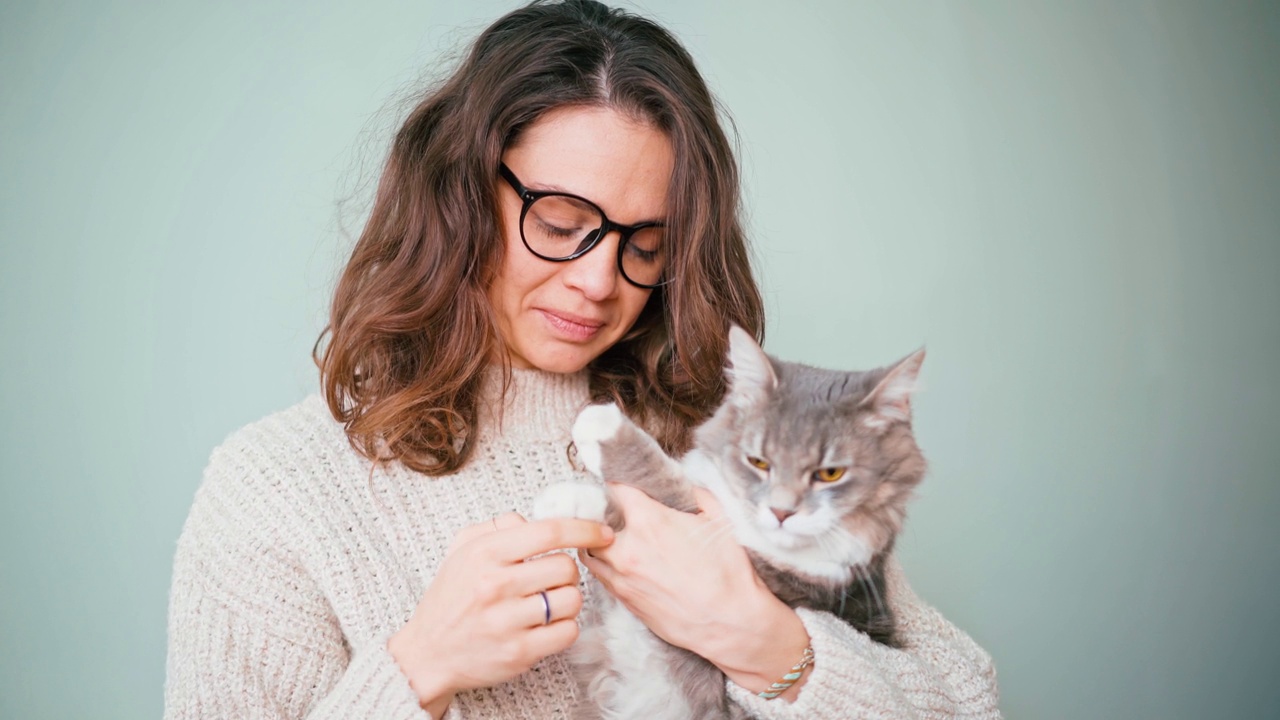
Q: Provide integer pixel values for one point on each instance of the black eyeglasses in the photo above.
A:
(560, 227)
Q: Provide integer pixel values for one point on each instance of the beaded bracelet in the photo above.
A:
(791, 677)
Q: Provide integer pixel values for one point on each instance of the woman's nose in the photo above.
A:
(595, 274)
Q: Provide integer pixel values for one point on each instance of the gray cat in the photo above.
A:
(813, 468)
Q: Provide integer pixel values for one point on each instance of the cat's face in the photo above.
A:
(817, 465)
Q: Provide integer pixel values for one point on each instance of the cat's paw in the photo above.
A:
(595, 424)
(570, 500)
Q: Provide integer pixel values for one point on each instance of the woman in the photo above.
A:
(376, 564)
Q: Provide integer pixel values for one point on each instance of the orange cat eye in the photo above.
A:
(829, 475)
(758, 463)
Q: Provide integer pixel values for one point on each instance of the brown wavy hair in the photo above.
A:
(411, 331)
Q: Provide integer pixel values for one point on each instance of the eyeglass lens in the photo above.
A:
(558, 226)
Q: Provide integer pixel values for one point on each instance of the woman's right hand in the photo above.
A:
(481, 621)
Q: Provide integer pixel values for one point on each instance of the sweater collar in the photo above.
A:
(536, 402)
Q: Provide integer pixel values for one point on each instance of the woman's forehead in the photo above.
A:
(622, 165)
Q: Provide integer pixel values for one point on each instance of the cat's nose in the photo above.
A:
(782, 515)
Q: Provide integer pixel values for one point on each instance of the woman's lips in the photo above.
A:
(572, 327)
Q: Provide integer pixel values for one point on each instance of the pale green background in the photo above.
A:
(1074, 205)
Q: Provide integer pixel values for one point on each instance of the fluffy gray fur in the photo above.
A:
(783, 430)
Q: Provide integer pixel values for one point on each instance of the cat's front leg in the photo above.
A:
(595, 425)
(617, 450)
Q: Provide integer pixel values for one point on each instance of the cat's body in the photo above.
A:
(813, 469)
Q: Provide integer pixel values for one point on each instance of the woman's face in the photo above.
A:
(559, 316)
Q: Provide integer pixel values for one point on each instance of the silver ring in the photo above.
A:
(546, 608)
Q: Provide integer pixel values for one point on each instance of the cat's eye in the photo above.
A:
(828, 475)
(758, 463)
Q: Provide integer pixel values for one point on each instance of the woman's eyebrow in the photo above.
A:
(551, 187)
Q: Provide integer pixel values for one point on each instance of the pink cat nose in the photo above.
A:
(782, 515)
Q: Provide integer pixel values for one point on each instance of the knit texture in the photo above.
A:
(299, 559)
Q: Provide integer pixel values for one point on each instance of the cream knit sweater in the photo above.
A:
(295, 566)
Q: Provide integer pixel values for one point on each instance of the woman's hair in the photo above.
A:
(411, 331)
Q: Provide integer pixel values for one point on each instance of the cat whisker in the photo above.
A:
(828, 545)
(713, 533)
(862, 580)
(875, 593)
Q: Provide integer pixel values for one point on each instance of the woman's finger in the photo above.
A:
(508, 520)
(548, 571)
(708, 503)
(493, 524)
(600, 568)
(633, 503)
(535, 538)
(543, 640)
(549, 606)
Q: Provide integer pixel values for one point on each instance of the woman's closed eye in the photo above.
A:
(641, 254)
(556, 231)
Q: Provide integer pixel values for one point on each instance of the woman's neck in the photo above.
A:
(531, 400)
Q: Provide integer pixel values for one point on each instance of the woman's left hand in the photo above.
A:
(686, 577)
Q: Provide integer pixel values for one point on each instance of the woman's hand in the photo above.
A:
(482, 621)
(687, 578)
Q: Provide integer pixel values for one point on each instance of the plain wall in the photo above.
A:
(1074, 206)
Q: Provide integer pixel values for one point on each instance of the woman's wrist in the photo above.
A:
(433, 690)
(765, 648)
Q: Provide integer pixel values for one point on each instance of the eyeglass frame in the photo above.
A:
(528, 197)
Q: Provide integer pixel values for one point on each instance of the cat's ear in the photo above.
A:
(890, 401)
(750, 373)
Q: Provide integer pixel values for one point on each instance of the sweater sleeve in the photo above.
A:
(940, 673)
(250, 632)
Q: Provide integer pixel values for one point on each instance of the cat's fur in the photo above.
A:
(828, 551)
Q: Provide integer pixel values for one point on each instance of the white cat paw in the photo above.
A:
(595, 424)
(570, 500)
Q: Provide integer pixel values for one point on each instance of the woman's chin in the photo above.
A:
(554, 362)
